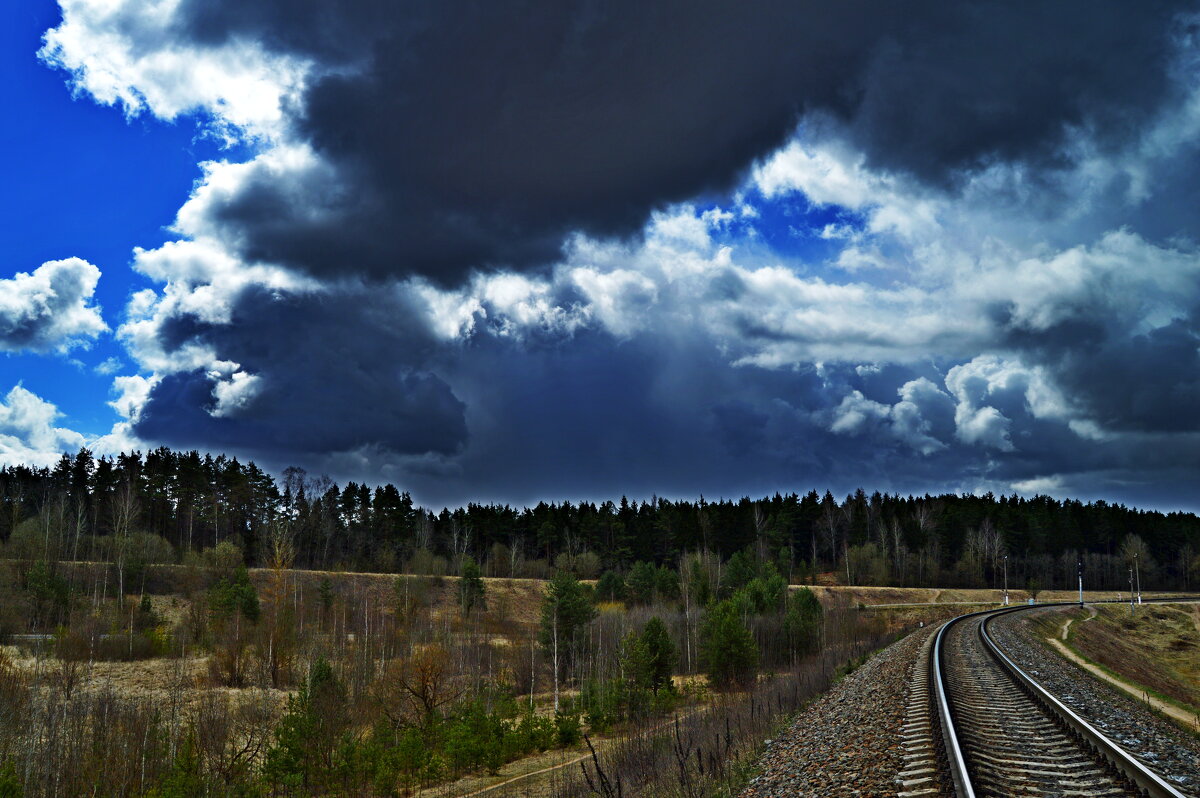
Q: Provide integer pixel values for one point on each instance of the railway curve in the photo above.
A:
(988, 728)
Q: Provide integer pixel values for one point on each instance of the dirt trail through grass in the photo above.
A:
(1181, 715)
(529, 775)
(1066, 627)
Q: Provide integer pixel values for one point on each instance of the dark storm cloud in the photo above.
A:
(1126, 380)
(652, 416)
(335, 371)
(590, 418)
(1004, 82)
(666, 416)
(467, 135)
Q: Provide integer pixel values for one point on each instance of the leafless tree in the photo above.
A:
(125, 512)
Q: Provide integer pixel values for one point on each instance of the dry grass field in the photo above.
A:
(833, 594)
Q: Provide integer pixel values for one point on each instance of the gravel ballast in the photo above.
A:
(847, 742)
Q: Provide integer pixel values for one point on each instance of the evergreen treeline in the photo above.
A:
(194, 502)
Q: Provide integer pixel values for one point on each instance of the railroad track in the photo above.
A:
(989, 729)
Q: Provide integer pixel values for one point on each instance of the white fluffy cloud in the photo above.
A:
(51, 308)
(27, 432)
(911, 421)
(201, 281)
(130, 54)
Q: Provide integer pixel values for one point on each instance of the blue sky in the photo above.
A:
(596, 255)
(80, 181)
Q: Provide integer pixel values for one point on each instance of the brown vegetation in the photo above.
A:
(217, 688)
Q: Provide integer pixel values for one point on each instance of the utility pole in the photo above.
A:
(1137, 575)
(1131, 591)
(1079, 568)
(1005, 580)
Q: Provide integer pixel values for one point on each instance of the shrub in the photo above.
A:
(413, 759)
(499, 561)
(803, 621)
(308, 735)
(587, 565)
(666, 583)
(641, 582)
(224, 557)
(427, 563)
(184, 779)
(26, 542)
(229, 664)
(567, 729)
(740, 569)
(765, 592)
(607, 702)
(10, 783)
(475, 739)
(49, 594)
(534, 569)
(602, 703)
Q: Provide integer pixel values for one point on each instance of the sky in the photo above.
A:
(578, 250)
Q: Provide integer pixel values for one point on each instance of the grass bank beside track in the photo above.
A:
(1153, 653)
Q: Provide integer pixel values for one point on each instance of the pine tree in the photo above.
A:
(471, 590)
(566, 609)
(651, 657)
(727, 649)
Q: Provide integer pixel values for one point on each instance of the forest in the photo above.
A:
(167, 506)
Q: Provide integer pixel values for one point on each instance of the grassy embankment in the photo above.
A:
(1155, 650)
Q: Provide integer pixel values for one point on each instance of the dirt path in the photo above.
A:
(1172, 711)
(1067, 626)
(529, 775)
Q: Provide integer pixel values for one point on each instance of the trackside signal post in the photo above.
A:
(1137, 575)
(1079, 568)
(1005, 580)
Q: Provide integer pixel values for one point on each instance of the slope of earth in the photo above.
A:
(847, 742)
(1158, 646)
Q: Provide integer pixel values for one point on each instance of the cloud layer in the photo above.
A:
(438, 138)
(565, 249)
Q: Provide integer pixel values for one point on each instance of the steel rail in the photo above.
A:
(1151, 783)
(953, 751)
